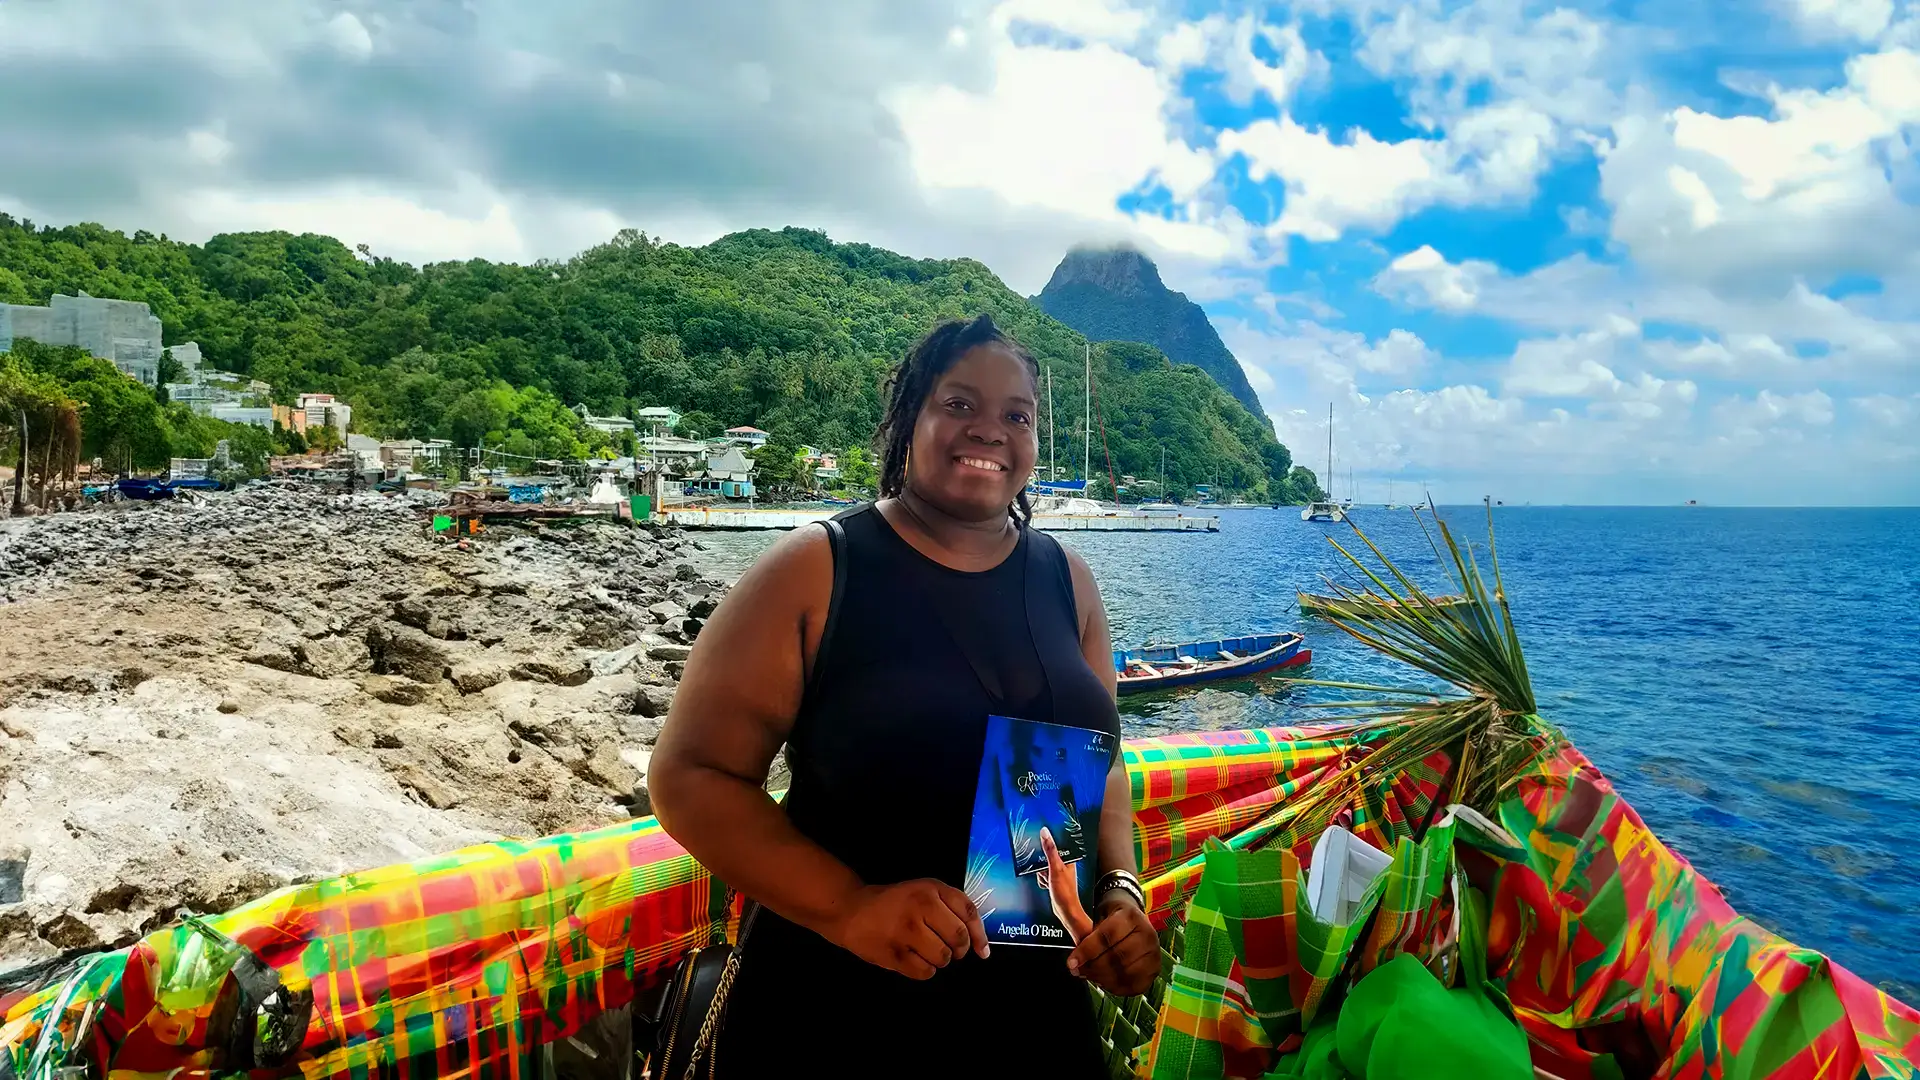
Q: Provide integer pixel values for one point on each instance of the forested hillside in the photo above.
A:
(784, 330)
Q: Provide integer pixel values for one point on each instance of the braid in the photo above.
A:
(912, 382)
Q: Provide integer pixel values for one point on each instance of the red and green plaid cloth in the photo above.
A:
(1603, 941)
(464, 965)
(1259, 964)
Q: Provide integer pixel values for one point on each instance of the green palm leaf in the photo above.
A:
(1489, 726)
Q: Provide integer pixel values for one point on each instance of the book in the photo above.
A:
(1037, 781)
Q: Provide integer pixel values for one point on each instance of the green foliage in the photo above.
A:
(1301, 487)
(784, 330)
(858, 471)
(778, 467)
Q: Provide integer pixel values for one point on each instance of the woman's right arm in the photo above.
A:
(733, 711)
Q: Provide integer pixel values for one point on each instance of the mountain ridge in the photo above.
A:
(1115, 293)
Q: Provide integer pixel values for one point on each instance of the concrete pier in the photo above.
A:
(730, 518)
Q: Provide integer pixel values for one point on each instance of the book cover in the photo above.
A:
(1036, 781)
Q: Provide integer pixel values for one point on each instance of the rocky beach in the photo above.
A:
(204, 700)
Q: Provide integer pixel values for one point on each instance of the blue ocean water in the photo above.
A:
(1747, 678)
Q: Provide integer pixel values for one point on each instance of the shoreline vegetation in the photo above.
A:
(786, 331)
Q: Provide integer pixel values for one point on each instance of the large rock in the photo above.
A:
(403, 650)
(670, 652)
(606, 767)
(561, 669)
(476, 673)
(396, 690)
(667, 611)
(327, 657)
(651, 701)
(429, 790)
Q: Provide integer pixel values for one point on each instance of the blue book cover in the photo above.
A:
(1035, 777)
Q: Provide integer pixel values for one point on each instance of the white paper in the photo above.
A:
(1341, 868)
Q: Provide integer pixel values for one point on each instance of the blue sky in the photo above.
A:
(1592, 253)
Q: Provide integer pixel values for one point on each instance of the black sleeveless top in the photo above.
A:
(885, 755)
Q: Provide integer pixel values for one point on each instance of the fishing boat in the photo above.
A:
(1164, 667)
(1609, 952)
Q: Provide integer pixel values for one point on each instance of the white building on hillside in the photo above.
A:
(325, 410)
(125, 332)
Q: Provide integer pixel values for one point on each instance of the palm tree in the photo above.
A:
(33, 403)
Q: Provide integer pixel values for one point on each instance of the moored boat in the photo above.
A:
(1164, 667)
(1323, 511)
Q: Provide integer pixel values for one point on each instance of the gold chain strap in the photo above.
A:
(714, 1010)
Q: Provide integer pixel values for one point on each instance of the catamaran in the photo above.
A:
(1327, 510)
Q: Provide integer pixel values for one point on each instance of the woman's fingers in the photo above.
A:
(968, 914)
(925, 942)
(910, 964)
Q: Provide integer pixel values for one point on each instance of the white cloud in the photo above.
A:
(1440, 283)
(1887, 410)
(208, 147)
(348, 34)
(1862, 19)
(1751, 202)
(1756, 334)
(1094, 20)
(1332, 187)
(1768, 410)
(1551, 63)
(1068, 130)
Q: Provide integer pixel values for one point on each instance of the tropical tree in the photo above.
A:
(34, 406)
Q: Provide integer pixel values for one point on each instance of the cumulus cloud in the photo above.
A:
(446, 129)
(1859, 19)
(1751, 203)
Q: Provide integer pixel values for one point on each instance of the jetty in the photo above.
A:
(743, 519)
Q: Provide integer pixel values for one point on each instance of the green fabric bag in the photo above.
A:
(1399, 1023)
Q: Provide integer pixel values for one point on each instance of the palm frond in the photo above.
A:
(1465, 640)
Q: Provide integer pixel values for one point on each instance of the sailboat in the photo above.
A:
(1328, 510)
(1391, 505)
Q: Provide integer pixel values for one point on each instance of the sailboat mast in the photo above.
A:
(1051, 475)
(1086, 454)
(1329, 451)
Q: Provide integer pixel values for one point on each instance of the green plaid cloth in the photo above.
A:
(1259, 966)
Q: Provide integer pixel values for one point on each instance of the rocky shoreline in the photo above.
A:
(205, 700)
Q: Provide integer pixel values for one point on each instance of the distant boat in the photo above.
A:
(1327, 510)
(1324, 511)
(1157, 509)
(1164, 667)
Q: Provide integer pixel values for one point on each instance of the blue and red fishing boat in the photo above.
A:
(1163, 667)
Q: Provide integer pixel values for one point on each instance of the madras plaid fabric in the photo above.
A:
(464, 965)
(1241, 788)
(1414, 912)
(1228, 1003)
(1597, 926)
(457, 966)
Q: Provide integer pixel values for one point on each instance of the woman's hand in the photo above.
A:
(1122, 954)
(915, 928)
(1061, 879)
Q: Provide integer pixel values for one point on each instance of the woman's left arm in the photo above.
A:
(1122, 955)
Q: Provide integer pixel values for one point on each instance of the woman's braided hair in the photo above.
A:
(913, 381)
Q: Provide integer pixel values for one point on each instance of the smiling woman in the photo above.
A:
(965, 402)
(875, 651)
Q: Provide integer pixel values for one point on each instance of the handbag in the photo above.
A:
(693, 1009)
